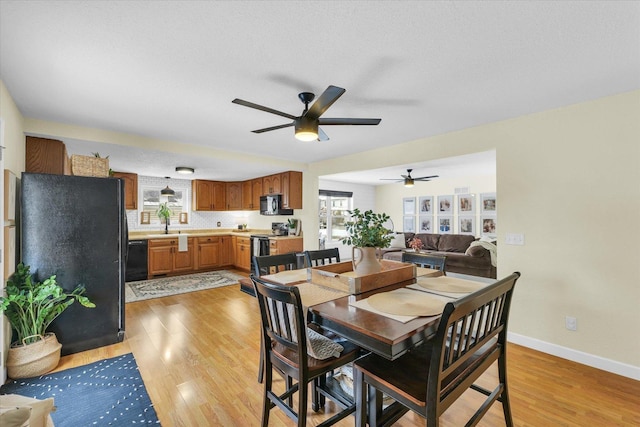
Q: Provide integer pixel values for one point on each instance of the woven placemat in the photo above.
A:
(408, 302)
(449, 284)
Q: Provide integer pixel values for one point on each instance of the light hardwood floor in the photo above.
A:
(198, 356)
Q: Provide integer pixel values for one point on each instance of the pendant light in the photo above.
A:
(167, 191)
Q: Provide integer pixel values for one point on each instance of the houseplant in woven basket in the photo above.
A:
(31, 306)
(366, 233)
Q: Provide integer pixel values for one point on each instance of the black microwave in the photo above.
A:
(272, 205)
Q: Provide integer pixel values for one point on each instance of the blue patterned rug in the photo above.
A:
(105, 393)
(165, 286)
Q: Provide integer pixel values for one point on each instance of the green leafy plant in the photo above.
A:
(31, 306)
(164, 212)
(367, 230)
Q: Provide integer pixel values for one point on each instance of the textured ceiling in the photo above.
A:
(170, 69)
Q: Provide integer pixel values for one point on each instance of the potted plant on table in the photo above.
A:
(30, 307)
(366, 233)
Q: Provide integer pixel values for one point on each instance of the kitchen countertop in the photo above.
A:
(159, 234)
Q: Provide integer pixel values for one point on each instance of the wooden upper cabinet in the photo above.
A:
(256, 192)
(292, 189)
(208, 195)
(234, 196)
(246, 195)
(130, 189)
(272, 184)
(43, 155)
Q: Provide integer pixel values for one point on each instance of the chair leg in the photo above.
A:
(303, 389)
(502, 375)
(266, 405)
(289, 385)
(360, 397)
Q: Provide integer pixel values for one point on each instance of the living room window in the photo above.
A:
(333, 211)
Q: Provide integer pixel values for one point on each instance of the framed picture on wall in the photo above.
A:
(488, 203)
(409, 224)
(445, 205)
(425, 205)
(445, 224)
(409, 206)
(467, 225)
(489, 225)
(466, 204)
(425, 224)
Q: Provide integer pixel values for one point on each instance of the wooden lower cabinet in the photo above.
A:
(243, 253)
(208, 253)
(165, 259)
(226, 251)
(283, 246)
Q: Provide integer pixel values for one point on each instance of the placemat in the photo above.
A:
(449, 284)
(429, 272)
(452, 295)
(408, 302)
(312, 294)
(364, 304)
(287, 277)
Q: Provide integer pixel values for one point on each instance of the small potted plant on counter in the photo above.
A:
(164, 213)
(30, 307)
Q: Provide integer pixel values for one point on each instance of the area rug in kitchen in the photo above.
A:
(166, 286)
(109, 392)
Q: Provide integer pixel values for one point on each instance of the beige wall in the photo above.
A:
(14, 138)
(569, 179)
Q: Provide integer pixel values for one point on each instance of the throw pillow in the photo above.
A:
(40, 409)
(15, 416)
(398, 241)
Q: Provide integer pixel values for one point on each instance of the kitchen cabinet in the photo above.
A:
(234, 196)
(226, 251)
(43, 155)
(208, 252)
(291, 185)
(165, 259)
(208, 195)
(243, 253)
(251, 192)
(283, 246)
(272, 184)
(130, 189)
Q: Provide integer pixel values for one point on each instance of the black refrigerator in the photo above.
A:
(75, 227)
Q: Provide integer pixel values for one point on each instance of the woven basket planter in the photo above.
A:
(89, 166)
(31, 360)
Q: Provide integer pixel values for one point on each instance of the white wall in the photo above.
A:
(569, 180)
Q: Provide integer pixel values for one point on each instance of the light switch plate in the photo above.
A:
(515, 239)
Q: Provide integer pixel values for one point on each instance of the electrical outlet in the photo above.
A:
(571, 323)
(514, 239)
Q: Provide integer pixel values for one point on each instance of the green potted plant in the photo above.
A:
(164, 213)
(367, 232)
(31, 306)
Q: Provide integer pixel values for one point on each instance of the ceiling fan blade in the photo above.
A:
(391, 179)
(425, 177)
(263, 108)
(272, 128)
(345, 121)
(322, 136)
(326, 100)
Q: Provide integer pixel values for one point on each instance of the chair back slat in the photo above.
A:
(321, 257)
(471, 335)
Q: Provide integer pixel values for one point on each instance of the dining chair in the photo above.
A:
(321, 257)
(471, 336)
(289, 336)
(268, 264)
(435, 262)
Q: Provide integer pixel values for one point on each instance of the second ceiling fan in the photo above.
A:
(409, 180)
(307, 124)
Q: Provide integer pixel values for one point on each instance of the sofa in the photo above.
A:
(465, 254)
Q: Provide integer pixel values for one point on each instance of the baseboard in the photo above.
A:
(598, 362)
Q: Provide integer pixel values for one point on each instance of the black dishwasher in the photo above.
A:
(137, 261)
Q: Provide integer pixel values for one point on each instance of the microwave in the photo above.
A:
(272, 205)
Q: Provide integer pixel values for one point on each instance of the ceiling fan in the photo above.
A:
(307, 124)
(409, 180)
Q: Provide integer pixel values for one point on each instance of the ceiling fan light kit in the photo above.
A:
(307, 124)
(408, 182)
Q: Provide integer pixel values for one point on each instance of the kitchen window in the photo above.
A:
(333, 212)
(178, 204)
